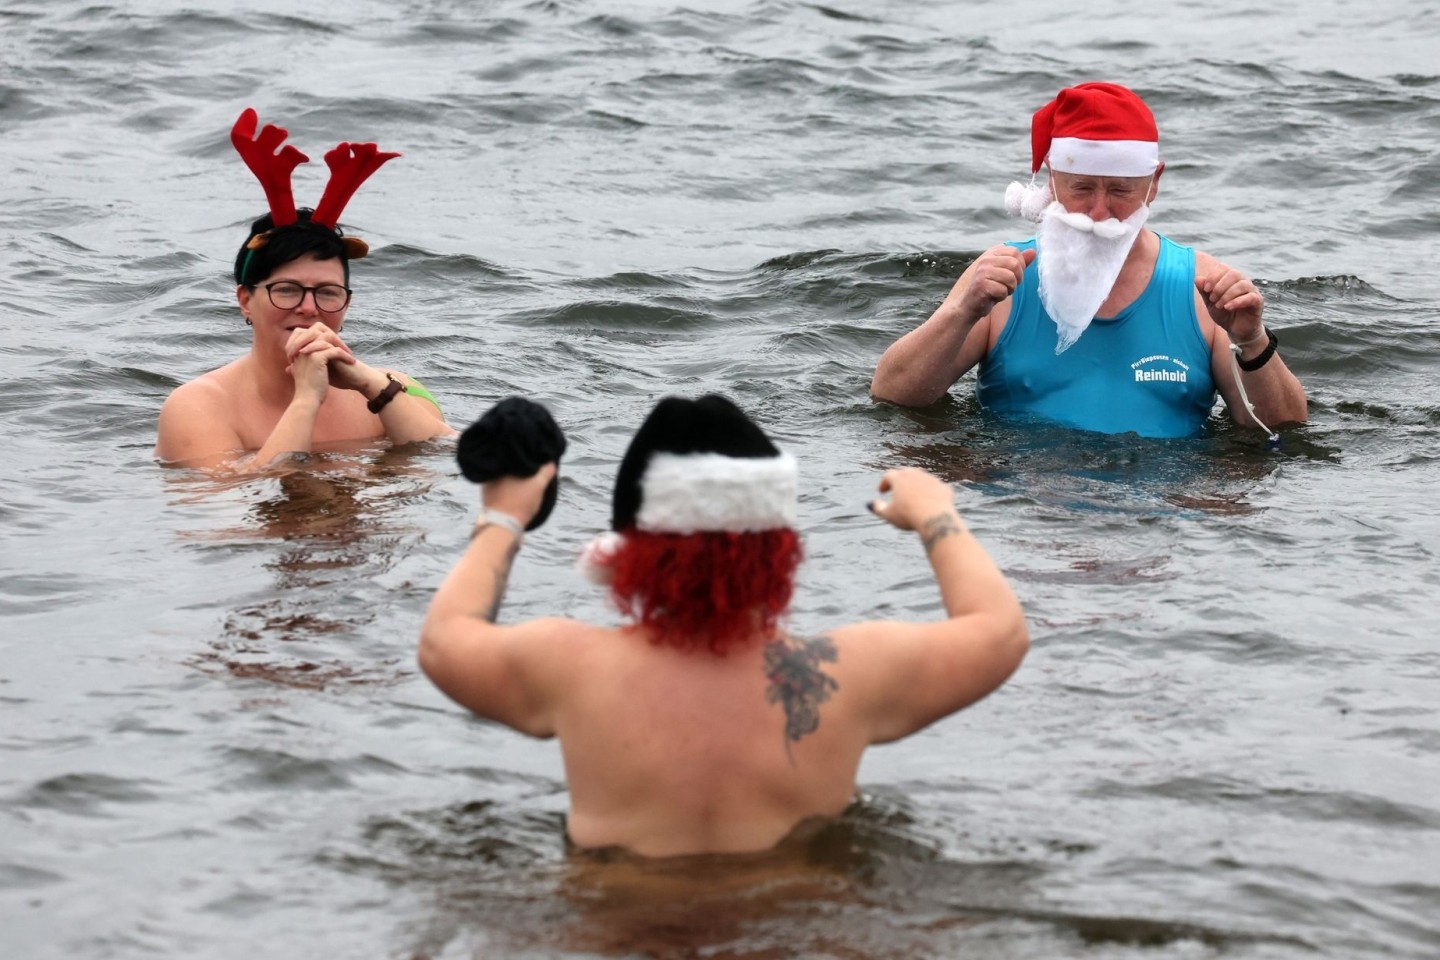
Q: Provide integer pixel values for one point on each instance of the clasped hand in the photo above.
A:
(319, 359)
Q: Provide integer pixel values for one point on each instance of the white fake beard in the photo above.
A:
(1079, 260)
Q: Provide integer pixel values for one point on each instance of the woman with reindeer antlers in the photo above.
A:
(300, 386)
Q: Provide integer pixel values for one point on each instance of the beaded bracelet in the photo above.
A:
(495, 518)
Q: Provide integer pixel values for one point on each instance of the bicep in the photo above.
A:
(981, 338)
(502, 673)
(978, 340)
(909, 675)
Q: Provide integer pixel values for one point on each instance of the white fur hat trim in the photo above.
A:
(709, 492)
(1104, 158)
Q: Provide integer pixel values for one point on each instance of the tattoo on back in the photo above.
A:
(798, 684)
(937, 528)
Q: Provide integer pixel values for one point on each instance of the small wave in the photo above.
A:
(278, 770)
(84, 794)
(16, 876)
(1226, 793)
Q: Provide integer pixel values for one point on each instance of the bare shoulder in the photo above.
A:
(544, 650)
(862, 640)
(1208, 265)
(904, 676)
(857, 653)
(562, 632)
(197, 420)
(801, 662)
(514, 674)
(206, 390)
(214, 389)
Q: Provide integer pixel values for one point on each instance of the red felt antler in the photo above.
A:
(271, 169)
(350, 165)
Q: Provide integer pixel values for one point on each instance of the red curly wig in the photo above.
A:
(711, 590)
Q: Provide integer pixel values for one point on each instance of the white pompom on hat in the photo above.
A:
(1094, 129)
(596, 556)
(1028, 200)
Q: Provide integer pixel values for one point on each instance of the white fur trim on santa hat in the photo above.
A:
(708, 492)
(1104, 158)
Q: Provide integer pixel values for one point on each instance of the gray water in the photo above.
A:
(213, 739)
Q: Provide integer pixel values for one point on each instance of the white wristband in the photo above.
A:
(498, 519)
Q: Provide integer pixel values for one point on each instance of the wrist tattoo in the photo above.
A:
(937, 528)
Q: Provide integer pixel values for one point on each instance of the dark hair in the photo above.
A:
(287, 243)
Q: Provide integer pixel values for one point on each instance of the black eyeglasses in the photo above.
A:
(287, 295)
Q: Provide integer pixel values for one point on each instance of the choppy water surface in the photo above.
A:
(213, 740)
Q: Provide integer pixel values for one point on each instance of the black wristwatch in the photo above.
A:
(1261, 358)
(383, 398)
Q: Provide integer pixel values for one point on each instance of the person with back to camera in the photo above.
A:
(702, 725)
(300, 386)
(1099, 322)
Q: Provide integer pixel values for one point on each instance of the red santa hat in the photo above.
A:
(1095, 129)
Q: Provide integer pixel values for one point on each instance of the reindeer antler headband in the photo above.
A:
(351, 164)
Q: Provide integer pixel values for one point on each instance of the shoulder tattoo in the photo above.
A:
(798, 683)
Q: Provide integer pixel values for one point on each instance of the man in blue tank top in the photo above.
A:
(1099, 322)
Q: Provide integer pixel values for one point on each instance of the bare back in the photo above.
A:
(670, 751)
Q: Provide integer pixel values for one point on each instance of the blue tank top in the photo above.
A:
(1145, 370)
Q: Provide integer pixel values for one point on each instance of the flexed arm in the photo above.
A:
(917, 673)
(492, 669)
(1237, 308)
(969, 581)
(918, 368)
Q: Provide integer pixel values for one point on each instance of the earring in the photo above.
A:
(248, 323)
